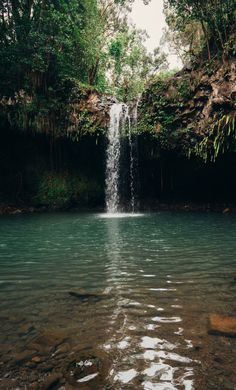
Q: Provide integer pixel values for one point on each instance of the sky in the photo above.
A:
(151, 18)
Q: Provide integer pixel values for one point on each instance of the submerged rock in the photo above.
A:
(52, 380)
(38, 359)
(86, 297)
(23, 356)
(25, 329)
(48, 341)
(7, 384)
(85, 369)
(222, 325)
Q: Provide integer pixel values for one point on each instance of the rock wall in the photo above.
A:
(194, 111)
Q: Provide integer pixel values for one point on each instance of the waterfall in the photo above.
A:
(133, 153)
(119, 119)
(113, 159)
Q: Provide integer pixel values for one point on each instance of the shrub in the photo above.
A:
(64, 190)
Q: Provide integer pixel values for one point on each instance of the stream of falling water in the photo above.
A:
(133, 155)
(113, 158)
(119, 119)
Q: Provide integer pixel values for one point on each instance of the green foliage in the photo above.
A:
(184, 88)
(185, 38)
(46, 42)
(84, 123)
(63, 190)
(221, 137)
(54, 190)
(165, 74)
(49, 48)
(230, 46)
(173, 110)
(130, 64)
(157, 117)
(214, 19)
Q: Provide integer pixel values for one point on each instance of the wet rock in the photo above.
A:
(70, 387)
(47, 367)
(51, 381)
(6, 348)
(21, 357)
(25, 329)
(30, 365)
(34, 386)
(86, 367)
(48, 341)
(222, 325)
(7, 384)
(62, 349)
(38, 359)
(218, 359)
(86, 297)
(17, 211)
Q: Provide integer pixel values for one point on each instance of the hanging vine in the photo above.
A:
(221, 138)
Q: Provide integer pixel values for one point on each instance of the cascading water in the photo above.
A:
(133, 157)
(119, 119)
(113, 159)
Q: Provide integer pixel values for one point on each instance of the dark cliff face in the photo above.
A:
(186, 142)
(73, 112)
(187, 135)
(88, 114)
(211, 92)
(194, 111)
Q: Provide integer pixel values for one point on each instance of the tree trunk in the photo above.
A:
(93, 72)
(207, 39)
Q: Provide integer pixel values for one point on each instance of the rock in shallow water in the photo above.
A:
(23, 356)
(47, 342)
(222, 325)
(86, 297)
(51, 381)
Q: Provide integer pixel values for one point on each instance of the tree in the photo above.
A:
(130, 64)
(42, 43)
(216, 17)
(186, 41)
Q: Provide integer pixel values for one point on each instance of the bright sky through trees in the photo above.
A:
(151, 18)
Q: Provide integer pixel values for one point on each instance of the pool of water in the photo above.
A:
(116, 303)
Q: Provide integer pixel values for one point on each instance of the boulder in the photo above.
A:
(23, 356)
(52, 380)
(222, 325)
(86, 297)
(48, 341)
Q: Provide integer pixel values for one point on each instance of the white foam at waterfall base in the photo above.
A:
(120, 215)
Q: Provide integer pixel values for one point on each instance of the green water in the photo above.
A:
(155, 279)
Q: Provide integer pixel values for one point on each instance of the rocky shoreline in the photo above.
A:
(55, 359)
(149, 206)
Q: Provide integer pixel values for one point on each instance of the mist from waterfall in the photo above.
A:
(121, 123)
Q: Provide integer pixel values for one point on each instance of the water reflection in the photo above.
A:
(134, 330)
